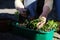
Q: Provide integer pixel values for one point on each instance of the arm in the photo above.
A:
(19, 4)
(47, 7)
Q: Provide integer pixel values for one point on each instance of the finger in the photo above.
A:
(40, 25)
(43, 19)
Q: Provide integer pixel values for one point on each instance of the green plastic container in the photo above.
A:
(45, 35)
(32, 34)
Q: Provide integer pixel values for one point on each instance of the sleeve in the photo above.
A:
(49, 3)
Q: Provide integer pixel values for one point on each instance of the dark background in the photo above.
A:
(7, 4)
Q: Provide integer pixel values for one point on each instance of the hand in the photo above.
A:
(22, 11)
(42, 22)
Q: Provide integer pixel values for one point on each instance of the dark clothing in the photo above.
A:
(35, 8)
(7, 4)
(57, 6)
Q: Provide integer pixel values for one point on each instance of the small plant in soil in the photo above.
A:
(33, 24)
(49, 25)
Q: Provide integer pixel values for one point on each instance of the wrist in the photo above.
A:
(44, 15)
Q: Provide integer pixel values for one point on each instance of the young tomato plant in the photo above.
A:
(33, 23)
(50, 25)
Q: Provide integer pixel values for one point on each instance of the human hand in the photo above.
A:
(42, 22)
(22, 11)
